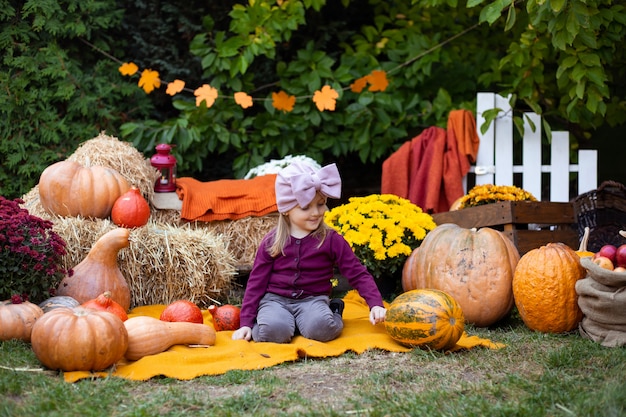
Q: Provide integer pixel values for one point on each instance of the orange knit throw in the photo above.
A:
(226, 199)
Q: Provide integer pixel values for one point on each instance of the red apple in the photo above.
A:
(603, 262)
(607, 251)
(620, 256)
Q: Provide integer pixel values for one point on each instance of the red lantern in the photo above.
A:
(166, 164)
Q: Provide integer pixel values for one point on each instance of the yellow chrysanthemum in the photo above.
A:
(489, 193)
(382, 229)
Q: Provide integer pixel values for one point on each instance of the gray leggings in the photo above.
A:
(278, 319)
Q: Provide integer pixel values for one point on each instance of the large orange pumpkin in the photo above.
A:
(474, 266)
(68, 188)
(79, 339)
(544, 287)
(425, 318)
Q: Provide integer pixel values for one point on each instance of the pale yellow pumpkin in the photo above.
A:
(475, 267)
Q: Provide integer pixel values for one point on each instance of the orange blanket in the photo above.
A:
(429, 169)
(226, 199)
(185, 363)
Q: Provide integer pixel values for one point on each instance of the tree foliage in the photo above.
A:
(561, 59)
(57, 91)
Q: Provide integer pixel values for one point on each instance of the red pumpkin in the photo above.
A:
(182, 310)
(104, 302)
(225, 317)
(131, 209)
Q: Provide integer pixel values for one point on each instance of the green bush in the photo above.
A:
(57, 90)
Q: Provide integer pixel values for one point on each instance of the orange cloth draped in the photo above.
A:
(226, 199)
(184, 363)
(429, 169)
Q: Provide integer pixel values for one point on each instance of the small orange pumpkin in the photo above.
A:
(131, 209)
(225, 317)
(475, 267)
(79, 339)
(544, 287)
(182, 311)
(68, 188)
(104, 302)
(17, 320)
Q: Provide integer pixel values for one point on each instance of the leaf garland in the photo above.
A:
(324, 99)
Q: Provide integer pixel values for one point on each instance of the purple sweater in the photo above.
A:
(305, 270)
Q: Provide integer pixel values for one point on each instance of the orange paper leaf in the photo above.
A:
(358, 85)
(243, 99)
(128, 68)
(283, 101)
(149, 80)
(175, 87)
(207, 94)
(378, 80)
(325, 99)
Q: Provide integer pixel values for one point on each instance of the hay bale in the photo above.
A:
(242, 236)
(162, 264)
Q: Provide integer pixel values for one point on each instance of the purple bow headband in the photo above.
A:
(297, 184)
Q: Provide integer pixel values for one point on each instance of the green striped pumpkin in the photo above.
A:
(425, 318)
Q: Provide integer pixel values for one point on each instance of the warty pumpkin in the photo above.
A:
(79, 339)
(544, 287)
(475, 267)
(425, 318)
(149, 335)
(68, 188)
(131, 209)
(99, 271)
(17, 320)
(58, 301)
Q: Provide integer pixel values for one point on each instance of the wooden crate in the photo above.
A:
(529, 225)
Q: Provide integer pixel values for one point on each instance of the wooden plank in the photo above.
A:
(587, 170)
(531, 155)
(485, 155)
(559, 167)
(504, 142)
(509, 212)
(526, 240)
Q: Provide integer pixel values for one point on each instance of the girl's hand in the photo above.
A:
(244, 333)
(377, 314)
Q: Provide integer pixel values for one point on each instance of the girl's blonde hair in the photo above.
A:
(282, 236)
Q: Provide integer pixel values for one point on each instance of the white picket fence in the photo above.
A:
(495, 159)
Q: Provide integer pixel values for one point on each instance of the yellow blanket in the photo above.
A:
(184, 363)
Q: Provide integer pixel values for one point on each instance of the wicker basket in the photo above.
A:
(604, 212)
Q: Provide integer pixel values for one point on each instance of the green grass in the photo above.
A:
(535, 375)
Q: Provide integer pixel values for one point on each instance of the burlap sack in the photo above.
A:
(602, 299)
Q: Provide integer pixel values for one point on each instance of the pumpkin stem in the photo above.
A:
(584, 240)
(622, 233)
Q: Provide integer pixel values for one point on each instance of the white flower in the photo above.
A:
(275, 165)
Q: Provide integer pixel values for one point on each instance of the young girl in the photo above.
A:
(289, 286)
